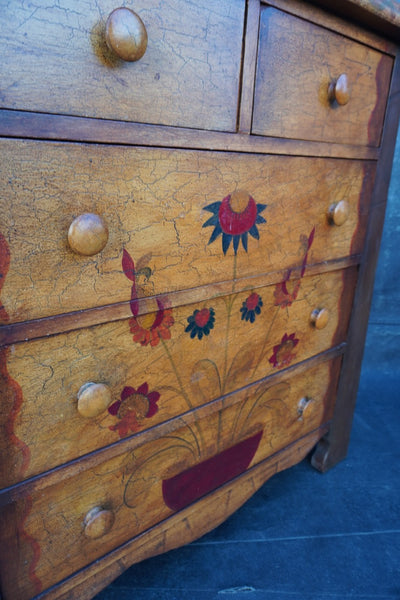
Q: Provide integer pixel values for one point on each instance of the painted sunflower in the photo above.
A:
(235, 217)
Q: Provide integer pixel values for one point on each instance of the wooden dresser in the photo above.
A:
(191, 201)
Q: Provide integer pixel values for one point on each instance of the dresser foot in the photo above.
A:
(326, 454)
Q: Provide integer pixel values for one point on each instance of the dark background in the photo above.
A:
(304, 535)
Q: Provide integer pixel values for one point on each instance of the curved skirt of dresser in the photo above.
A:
(183, 527)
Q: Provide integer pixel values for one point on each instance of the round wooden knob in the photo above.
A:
(320, 317)
(88, 234)
(93, 399)
(126, 34)
(302, 405)
(339, 90)
(338, 212)
(98, 522)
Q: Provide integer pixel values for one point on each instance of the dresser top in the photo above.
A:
(386, 9)
(381, 15)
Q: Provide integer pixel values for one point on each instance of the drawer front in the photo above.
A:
(186, 219)
(188, 76)
(297, 63)
(149, 374)
(145, 485)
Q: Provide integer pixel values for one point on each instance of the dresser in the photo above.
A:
(191, 201)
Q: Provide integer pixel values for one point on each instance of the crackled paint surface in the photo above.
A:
(161, 197)
(182, 49)
(191, 354)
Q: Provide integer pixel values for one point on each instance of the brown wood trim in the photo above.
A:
(83, 463)
(181, 528)
(332, 22)
(40, 126)
(249, 66)
(334, 447)
(54, 325)
(369, 13)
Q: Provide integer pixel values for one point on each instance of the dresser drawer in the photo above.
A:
(143, 485)
(297, 63)
(188, 76)
(186, 218)
(143, 374)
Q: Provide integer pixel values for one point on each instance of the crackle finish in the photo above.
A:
(191, 201)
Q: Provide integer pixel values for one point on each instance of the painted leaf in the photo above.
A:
(128, 266)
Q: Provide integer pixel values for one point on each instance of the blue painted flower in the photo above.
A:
(235, 217)
(251, 307)
(201, 322)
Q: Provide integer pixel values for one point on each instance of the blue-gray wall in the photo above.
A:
(383, 339)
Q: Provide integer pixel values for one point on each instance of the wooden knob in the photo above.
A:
(93, 399)
(339, 90)
(87, 234)
(98, 522)
(302, 405)
(338, 212)
(320, 317)
(126, 34)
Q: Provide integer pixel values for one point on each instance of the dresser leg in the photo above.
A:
(321, 458)
(332, 448)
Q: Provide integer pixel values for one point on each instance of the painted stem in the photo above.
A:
(229, 306)
(183, 391)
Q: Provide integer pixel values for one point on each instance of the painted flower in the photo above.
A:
(286, 292)
(283, 352)
(235, 217)
(132, 408)
(251, 307)
(201, 322)
(150, 328)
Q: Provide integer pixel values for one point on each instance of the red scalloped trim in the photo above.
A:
(14, 411)
(10, 423)
(34, 544)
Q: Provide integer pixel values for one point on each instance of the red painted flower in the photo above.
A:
(251, 307)
(150, 328)
(235, 217)
(286, 292)
(134, 406)
(283, 352)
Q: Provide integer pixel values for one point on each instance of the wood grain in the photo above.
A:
(293, 77)
(189, 75)
(155, 205)
(130, 486)
(20, 124)
(249, 66)
(356, 13)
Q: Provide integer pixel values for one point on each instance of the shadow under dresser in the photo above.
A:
(191, 202)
